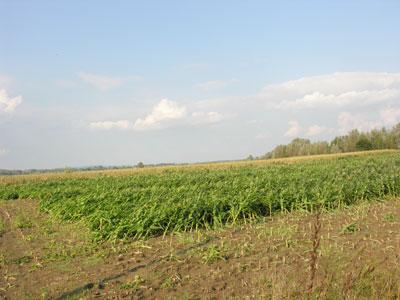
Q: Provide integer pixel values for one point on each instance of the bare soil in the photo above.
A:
(358, 257)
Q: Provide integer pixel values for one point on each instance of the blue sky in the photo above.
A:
(94, 82)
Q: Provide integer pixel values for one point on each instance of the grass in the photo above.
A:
(133, 284)
(390, 218)
(2, 227)
(213, 253)
(22, 222)
(350, 228)
(182, 199)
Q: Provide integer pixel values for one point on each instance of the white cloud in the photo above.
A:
(8, 104)
(213, 85)
(101, 82)
(294, 129)
(348, 121)
(107, 125)
(315, 130)
(163, 112)
(390, 116)
(3, 151)
(337, 89)
(200, 117)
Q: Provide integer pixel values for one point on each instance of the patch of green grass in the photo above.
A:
(2, 226)
(133, 284)
(171, 281)
(2, 259)
(22, 260)
(29, 237)
(22, 222)
(350, 228)
(212, 254)
(36, 266)
(243, 249)
(168, 283)
(10, 195)
(390, 218)
(60, 251)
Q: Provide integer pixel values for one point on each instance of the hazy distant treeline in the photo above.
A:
(66, 169)
(90, 168)
(353, 141)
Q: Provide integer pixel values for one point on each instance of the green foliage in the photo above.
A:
(363, 144)
(390, 218)
(350, 228)
(299, 147)
(22, 222)
(22, 260)
(212, 254)
(134, 284)
(11, 196)
(146, 204)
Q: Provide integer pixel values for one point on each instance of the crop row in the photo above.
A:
(174, 200)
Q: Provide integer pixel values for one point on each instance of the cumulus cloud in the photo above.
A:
(294, 129)
(200, 117)
(101, 82)
(390, 116)
(315, 130)
(164, 111)
(348, 121)
(387, 117)
(337, 89)
(8, 104)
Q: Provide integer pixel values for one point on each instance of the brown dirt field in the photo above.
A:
(358, 258)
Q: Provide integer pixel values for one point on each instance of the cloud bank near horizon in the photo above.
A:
(341, 89)
(164, 114)
(346, 92)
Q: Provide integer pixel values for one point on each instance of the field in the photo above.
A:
(206, 231)
(147, 204)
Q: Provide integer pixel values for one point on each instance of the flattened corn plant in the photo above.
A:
(142, 205)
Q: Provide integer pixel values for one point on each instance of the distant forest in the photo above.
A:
(353, 141)
(70, 169)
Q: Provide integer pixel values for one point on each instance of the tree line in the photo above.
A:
(353, 141)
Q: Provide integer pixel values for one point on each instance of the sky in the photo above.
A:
(117, 82)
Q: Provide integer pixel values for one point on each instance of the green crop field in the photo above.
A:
(147, 204)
